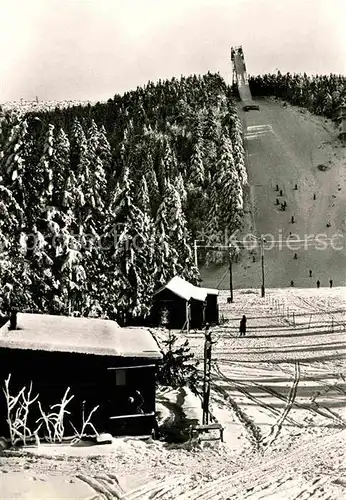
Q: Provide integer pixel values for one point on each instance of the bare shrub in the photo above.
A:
(54, 421)
(18, 412)
(19, 407)
(85, 423)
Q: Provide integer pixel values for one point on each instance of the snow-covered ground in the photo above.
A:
(279, 392)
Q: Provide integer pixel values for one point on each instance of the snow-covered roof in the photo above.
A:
(43, 332)
(186, 290)
(211, 291)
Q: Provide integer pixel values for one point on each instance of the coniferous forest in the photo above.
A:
(100, 204)
(320, 94)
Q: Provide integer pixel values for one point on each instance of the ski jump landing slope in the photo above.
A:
(286, 146)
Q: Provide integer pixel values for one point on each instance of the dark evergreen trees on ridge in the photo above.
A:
(99, 205)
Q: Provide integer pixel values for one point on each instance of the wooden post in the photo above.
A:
(69, 292)
(310, 320)
(188, 316)
(196, 256)
(262, 265)
(294, 319)
(206, 378)
(204, 309)
(230, 276)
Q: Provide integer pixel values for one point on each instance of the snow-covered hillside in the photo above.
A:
(21, 107)
(279, 392)
(286, 146)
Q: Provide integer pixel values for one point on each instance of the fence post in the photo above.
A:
(310, 320)
(294, 319)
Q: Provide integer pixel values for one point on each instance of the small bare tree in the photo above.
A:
(19, 406)
(17, 413)
(86, 422)
(54, 421)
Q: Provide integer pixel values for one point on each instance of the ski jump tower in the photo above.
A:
(240, 78)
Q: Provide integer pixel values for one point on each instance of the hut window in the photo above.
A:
(120, 377)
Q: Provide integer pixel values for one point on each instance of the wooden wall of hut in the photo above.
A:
(212, 310)
(90, 380)
(175, 305)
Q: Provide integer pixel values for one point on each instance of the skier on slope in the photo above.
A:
(242, 326)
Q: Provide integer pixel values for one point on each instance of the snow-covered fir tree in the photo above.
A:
(133, 253)
(173, 254)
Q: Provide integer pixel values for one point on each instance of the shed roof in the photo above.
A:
(79, 335)
(186, 290)
(211, 291)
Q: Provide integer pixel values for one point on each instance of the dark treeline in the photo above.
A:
(100, 204)
(321, 95)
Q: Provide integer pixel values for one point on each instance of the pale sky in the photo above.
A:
(92, 49)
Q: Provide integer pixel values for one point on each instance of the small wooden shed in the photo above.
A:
(104, 365)
(181, 305)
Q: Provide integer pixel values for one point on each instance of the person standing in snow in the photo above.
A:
(242, 326)
(331, 283)
(318, 283)
(310, 273)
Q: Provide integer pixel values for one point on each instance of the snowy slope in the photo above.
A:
(285, 145)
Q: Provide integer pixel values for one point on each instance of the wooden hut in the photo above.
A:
(181, 305)
(103, 365)
(212, 306)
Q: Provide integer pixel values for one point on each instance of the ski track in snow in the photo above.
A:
(300, 370)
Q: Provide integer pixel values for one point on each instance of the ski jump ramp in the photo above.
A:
(241, 78)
